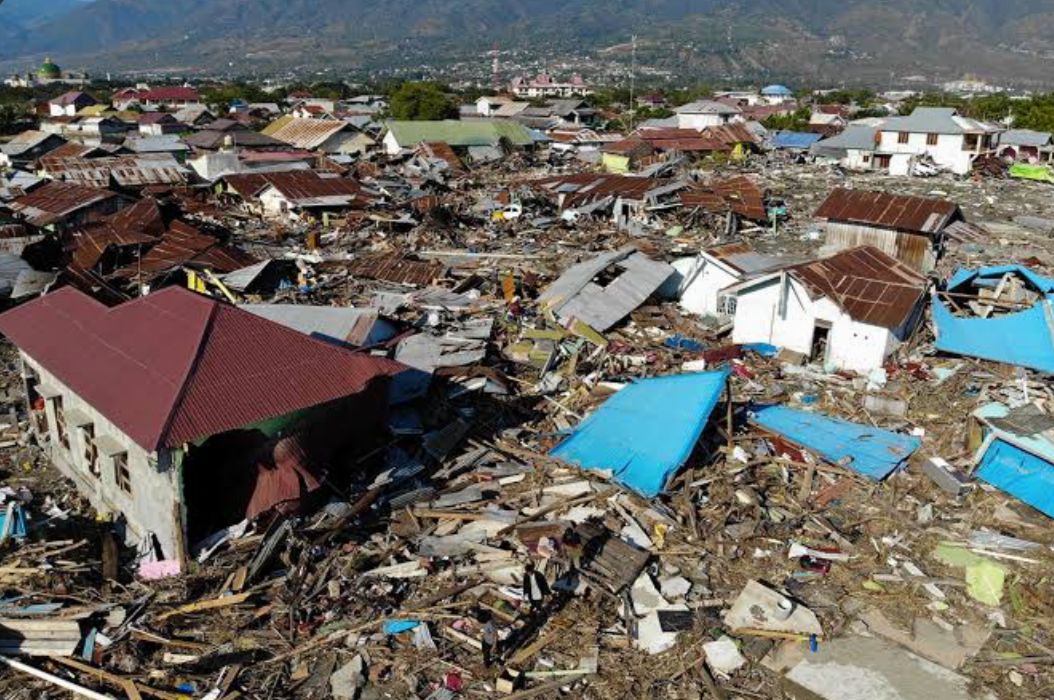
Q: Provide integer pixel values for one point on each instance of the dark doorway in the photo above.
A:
(820, 337)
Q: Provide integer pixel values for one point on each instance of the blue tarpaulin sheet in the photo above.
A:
(1019, 473)
(646, 431)
(399, 626)
(1023, 338)
(795, 139)
(869, 451)
(964, 276)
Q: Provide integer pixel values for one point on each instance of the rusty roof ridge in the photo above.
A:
(188, 375)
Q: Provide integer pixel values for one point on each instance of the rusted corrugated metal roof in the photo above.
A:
(139, 224)
(126, 171)
(181, 245)
(740, 194)
(394, 268)
(308, 134)
(583, 188)
(869, 285)
(730, 134)
(899, 212)
(54, 200)
(174, 367)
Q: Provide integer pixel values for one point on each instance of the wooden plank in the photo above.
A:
(200, 606)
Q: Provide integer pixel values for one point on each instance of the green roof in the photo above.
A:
(49, 70)
(457, 133)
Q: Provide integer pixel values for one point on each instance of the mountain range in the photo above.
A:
(804, 40)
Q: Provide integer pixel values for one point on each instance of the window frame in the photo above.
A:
(903, 137)
(122, 474)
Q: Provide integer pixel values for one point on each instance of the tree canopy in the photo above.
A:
(420, 101)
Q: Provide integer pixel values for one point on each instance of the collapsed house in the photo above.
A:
(911, 229)
(60, 205)
(1003, 313)
(849, 311)
(469, 135)
(602, 291)
(627, 197)
(181, 415)
(701, 279)
(1013, 450)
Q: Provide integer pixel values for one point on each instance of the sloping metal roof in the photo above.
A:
(899, 212)
(460, 133)
(937, 120)
(308, 134)
(869, 285)
(707, 107)
(343, 324)
(54, 200)
(174, 367)
(575, 294)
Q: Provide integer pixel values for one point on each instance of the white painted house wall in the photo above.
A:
(391, 144)
(702, 279)
(57, 110)
(275, 205)
(851, 345)
(859, 159)
(701, 121)
(948, 152)
(155, 484)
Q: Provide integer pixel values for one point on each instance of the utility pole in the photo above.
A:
(632, 80)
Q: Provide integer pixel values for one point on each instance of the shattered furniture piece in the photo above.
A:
(184, 414)
(646, 431)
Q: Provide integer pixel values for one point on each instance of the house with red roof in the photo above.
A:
(181, 415)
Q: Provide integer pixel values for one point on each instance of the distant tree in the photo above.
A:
(795, 121)
(420, 101)
(12, 118)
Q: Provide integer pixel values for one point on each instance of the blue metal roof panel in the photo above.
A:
(646, 431)
(869, 451)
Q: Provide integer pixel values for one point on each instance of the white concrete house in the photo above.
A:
(701, 279)
(705, 113)
(854, 148)
(952, 141)
(848, 312)
(68, 104)
(126, 404)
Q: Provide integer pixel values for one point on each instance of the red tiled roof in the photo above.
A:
(869, 285)
(174, 367)
(901, 212)
(170, 94)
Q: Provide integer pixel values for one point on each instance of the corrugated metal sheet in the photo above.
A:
(867, 450)
(394, 268)
(54, 200)
(342, 324)
(575, 295)
(174, 366)
(308, 134)
(900, 212)
(181, 245)
(584, 188)
(739, 194)
(870, 285)
(646, 431)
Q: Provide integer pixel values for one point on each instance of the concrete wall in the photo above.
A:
(851, 345)
(703, 279)
(948, 151)
(700, 121)
(156, 488)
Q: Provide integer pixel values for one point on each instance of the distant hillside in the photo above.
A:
(804, 39)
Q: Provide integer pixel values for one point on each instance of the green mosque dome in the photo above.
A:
(49, 70)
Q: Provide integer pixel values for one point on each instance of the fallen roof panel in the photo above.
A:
(646, 431)
(869, 451)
